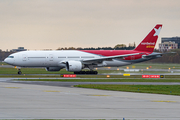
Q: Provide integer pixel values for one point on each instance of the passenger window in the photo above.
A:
(10, 56)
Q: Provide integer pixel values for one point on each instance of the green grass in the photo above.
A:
(63, 71)
(31, 71)
(157, 89)
(4, 70)
(104, 80)
(154, 66)
(3, 63)
(26, 71)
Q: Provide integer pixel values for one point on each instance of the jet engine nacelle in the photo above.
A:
(74, 66)
(53, 68)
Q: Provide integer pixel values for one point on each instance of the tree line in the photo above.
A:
(168, 58)
(4, 54)
(99, 48)
(117, 47)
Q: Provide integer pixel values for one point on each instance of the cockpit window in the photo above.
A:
(10, 56)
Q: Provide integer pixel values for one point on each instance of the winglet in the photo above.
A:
(149, 42)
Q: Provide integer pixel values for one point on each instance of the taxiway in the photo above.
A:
(36, 101)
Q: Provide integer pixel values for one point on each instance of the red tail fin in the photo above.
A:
(149, 41)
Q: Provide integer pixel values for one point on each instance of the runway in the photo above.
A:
(70, 84)
(34, 101)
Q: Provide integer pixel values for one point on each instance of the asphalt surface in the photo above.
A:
(59, 100)
(70, 84)
(28, 101)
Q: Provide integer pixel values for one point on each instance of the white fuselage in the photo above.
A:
(56, 58)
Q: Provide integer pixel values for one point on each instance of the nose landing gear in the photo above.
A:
(19, 72)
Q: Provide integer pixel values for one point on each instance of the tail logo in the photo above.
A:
(157, 31)
(149, 44)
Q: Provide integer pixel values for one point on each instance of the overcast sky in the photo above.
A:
(49, 24)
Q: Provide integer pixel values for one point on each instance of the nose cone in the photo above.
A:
(9, 61)
(5, 60)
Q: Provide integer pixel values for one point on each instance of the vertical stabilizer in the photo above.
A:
(149, 42)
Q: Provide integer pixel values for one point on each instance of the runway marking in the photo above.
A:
(13, 87)
(163, 101)
(51, 91)
(98, 95)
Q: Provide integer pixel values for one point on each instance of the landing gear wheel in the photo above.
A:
(95, 72)
(19, 72)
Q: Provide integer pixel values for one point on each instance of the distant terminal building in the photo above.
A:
(19, 49)
(166, 46)
(168, 43)
(172, 39)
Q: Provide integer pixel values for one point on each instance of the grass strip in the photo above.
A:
(31, 71)
(103, 80)
(156, 89)
(4, 70)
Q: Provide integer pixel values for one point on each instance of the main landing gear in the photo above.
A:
(87, 72)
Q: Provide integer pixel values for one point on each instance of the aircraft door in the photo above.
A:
(51, 59)
(24, 57)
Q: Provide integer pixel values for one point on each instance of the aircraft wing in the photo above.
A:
(108, 58)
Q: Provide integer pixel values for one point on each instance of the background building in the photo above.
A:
(166, 46)
(168, 43)
(172, 39)
(19, 49)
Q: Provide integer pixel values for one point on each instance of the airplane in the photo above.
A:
(76, 60)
